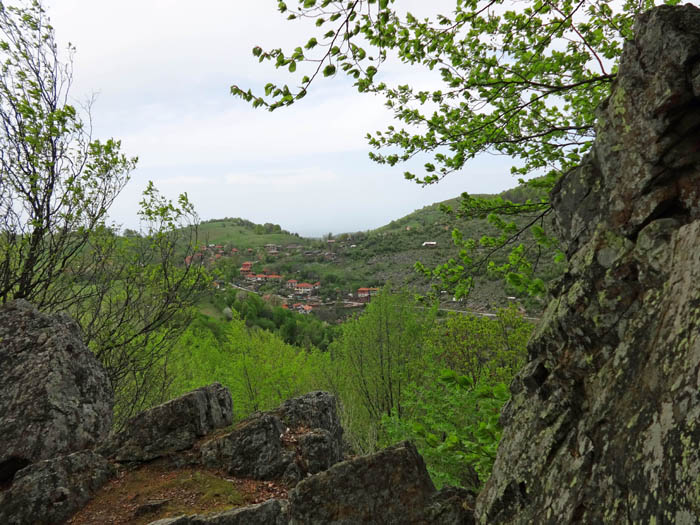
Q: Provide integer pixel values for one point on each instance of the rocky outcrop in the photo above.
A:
(301, 437)
(603, 423)
(172, 426)
(272, 512)
(451, 506)
(315, 410)
(50, 491)
(55, 397)
(253, 449)
(391, 486)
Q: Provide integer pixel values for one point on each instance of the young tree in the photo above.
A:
(377, 356)
(520, 79)
(56, 249)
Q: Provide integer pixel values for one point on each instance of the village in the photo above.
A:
(282, 290)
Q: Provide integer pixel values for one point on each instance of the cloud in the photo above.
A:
(163, 71)
(235, 134)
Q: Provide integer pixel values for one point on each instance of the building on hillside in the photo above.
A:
(303, 288)
(365, 294)
(246, 267)
(292, 283)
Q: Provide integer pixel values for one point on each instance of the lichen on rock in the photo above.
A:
(55, 397)
(602, 426)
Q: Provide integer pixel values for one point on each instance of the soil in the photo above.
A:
(156, 490)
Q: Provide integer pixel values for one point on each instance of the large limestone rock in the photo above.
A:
(172, 426)
(55, 396)
(391, 487)
(301, 437)
(604, 423)
(50, 491)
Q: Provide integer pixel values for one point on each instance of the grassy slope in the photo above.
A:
(242, 237)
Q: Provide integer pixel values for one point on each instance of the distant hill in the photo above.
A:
(349, 261)
(245, 234)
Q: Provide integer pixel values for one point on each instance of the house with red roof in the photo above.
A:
(303, 288)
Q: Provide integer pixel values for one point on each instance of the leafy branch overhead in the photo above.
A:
(519, 79)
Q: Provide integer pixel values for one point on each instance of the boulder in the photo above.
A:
(55, 396)
(50, 491)
(391, 486)
(315, 410)
(603, 423)
(172, 426)
(271, 512)
(451, 506)
(253, 449)
(301, 437)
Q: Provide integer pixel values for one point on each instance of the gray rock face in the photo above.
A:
(253, 449)
(172, 426)
(315, 410)
(50, 491)
(55, 396)
(272, 512)
(603, 423)
(452, 506)
(390, 487)
(303, 436)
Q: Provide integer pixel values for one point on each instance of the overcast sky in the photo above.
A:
(162, 70)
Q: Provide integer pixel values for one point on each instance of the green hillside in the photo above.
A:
(245, 234)
(346, 262)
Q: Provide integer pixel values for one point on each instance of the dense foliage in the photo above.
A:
(399, 371)
(453, 413)
(302, 330)
(260, 369)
